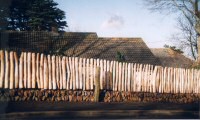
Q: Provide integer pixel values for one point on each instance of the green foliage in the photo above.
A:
(120, 57)
(196, 66)
(35, 15)
(174, 48)
(4, 12)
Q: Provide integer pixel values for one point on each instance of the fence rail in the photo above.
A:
(35, 70)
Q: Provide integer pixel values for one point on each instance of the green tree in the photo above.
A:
(4, 13)
(120, 57)
(35, 15)
(174, 48)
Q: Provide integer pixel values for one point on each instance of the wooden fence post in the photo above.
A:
(50, 71)
(42, 71)
(2, 68)
(68, 73)
(97, 85)
(101, 74)
(84, 73)
(6, 84)
(91, 78)
(16, 70)
(87, 74)
(53, 72)
(25, 70)
(71, 73)
(29, 77)
(38, 70)
(64, 72)
(60, 73)
(57, 72)
(46, 74)
(80, 73)
(11, 85)
(33, 70)
(21, 70)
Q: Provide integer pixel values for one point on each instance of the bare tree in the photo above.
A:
(186, 39)
(189, 12)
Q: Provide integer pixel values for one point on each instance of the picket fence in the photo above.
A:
(39, 71)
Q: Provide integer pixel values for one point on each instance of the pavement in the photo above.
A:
(84, 110)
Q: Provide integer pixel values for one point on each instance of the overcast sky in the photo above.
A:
(118, 18)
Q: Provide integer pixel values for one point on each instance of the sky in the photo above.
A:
(119, 18)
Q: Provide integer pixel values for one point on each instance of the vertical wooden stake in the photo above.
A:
(50, 71)
(129, 77)
(6, 85)
(11, 71)
(64, 73)
(21, 71)
(107, 74)
(84, 74)
(25, 69)
(101, 74)
(132, 81)
(57, 72)
(94, 70)
(134, 77)
(114, 76)
(140, 78)
(76, 73)
(29, 80)
(123, 77)
(87, 74)
(104, 74)
(119, 88)
(46, 73)
(54, 71)
(42, 71)
(2, 68)
(173, 80)
(60, 73)
(80, 73)
(38, 70)
(68, 73)
(154, 79)
(71, 73)
(33, 71)
(117, 76)
(91, 73)
(97, 84)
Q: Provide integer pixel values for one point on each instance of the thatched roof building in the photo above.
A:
(133, 49)
(80, 44)
(89, 45)
(171, 58)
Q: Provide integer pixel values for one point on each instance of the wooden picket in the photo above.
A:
(35, 70)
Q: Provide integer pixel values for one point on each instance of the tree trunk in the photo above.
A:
(198, 46)
(197, 27)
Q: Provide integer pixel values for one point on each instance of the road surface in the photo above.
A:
(66, 110)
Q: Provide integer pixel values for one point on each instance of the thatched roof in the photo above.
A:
(171, 58)
(133, 49)
(81, 44)
(40, 41)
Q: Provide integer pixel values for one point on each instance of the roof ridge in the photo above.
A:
(120, 38)
(82, 32)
